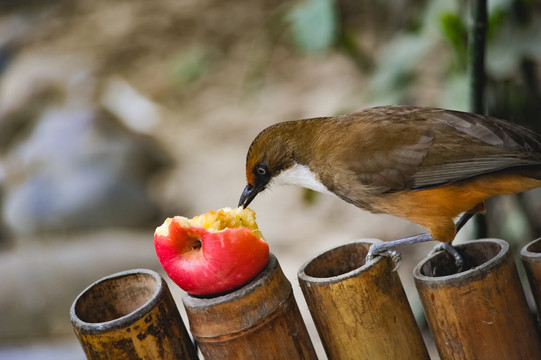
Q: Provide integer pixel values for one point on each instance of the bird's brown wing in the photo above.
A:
(416, 148)
(383, 155)
(467, 145)
(395, 168)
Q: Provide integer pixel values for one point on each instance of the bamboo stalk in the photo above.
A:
(531, 259)
(480, 313)
(130, 315)
(360, 310)
(258, 321)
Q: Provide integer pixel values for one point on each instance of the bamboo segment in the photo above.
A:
(480, 313)
(130, 315)
(360, 310)
(531, 259)
(261, 320)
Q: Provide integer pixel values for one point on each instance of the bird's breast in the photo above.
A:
(300, 175)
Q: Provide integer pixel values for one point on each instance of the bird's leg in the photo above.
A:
(478, 209)
(447, 247)
(386, 248)
(462, 220)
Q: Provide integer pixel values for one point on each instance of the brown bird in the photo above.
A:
(425, 165)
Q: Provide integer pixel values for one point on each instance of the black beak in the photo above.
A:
(249, 193)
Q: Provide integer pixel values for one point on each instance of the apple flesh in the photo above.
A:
(211, 253)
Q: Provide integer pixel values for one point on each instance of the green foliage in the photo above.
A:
(189, 66)
(396, 69)
(399, 61)
(434, 48)
(455, 32)
(496, 20)
(355, 52)
(456, 94)
(313, 24)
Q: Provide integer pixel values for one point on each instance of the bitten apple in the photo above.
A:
(212, 253)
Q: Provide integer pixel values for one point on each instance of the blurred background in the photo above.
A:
(117, 114)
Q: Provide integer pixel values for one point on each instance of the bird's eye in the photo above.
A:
(262, 170)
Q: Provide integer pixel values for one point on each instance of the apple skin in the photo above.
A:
(204, 262)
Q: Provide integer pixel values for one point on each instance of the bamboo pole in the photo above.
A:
(258, 321)
(531, 259)
(130, 315)
(480, 313)
(360, 309)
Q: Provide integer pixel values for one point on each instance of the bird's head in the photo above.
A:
(270, 153)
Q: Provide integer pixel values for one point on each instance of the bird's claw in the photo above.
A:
(376, 251)
(450, 249)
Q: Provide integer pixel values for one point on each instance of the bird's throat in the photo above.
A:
(300, 175)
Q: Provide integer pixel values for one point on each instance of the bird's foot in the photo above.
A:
(450, 249)
(379, 250)
(386, 248)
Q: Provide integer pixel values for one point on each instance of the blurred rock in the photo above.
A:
(134, 110)
(80, 168)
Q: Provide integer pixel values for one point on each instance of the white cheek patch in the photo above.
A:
(300, 175)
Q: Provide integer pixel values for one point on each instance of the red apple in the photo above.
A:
(212, 253)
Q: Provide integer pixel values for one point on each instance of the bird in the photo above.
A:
(426, 165)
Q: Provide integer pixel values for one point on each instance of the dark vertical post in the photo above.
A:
(476, 72)
(476, 51)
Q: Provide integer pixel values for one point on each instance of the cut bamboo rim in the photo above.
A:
(480, 313)
(531, 259)
(130, 315)
(360, 309)
(261, 320)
